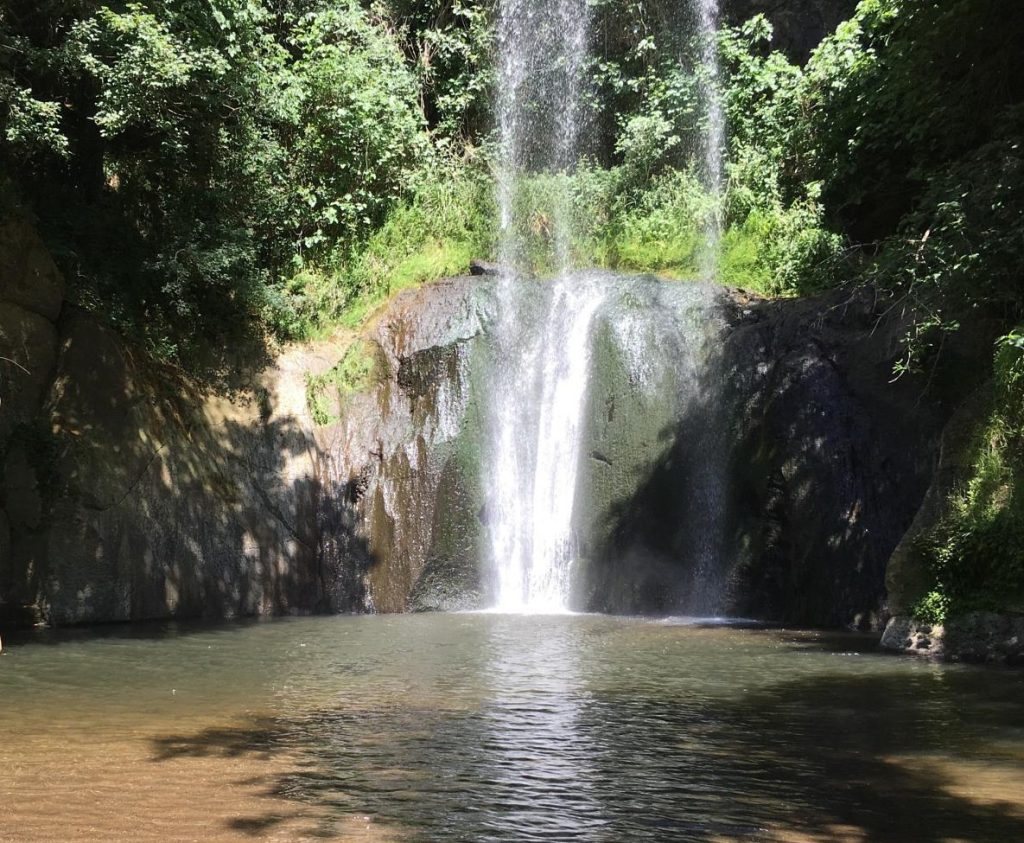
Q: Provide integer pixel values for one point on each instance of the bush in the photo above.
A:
(975, 555)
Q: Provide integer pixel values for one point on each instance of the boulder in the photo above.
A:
(973, 637)
(903, 634)
(479, 267)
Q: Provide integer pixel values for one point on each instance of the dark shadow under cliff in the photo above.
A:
(826, 460)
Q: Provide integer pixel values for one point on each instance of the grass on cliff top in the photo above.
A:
(452, 219)
(360, 368)
(446, 223)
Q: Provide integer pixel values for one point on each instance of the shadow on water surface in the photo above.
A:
(144, 630)
(829, 756)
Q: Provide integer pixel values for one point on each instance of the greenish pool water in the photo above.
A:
(482, 727)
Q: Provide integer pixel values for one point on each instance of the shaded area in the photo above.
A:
(799, 25)
(160, 499)
(157, 629)
(826, 461)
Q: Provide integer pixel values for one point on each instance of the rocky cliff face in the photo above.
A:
(129, 493)
(771, 477)
(832, 455)
(747, 457)
(31, 296)
(797, 448)
(401, 515)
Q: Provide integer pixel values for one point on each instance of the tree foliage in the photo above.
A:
(204, 163)
(184, 155)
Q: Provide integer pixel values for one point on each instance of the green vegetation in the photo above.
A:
(358, 370)
(975, 555)
(188, 160)
(204, 168)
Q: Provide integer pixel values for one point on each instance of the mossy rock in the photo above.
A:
(363, 367)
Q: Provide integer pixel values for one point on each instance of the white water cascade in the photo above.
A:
(537, 429)
(543, 330)
(543, 334)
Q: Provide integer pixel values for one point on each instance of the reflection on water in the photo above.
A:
(536, 742)
(489, 727)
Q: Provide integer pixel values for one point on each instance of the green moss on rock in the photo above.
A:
(362, 367)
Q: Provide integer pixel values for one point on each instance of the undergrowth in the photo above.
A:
(975, 555)
(657, 227)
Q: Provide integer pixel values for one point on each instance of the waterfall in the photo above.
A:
(542, 49)
(595, 382)
(537, 428)
(713, 136)
(543, 330)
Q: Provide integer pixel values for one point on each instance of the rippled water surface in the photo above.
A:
(490, 727)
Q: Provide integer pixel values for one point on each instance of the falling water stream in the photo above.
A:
(713, 136)
(538, 427)
(543, 356)
(544, 330)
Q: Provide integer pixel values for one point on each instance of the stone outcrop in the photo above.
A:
(822, 464)
(402, 527)
(832, 456)
(820, 461)
(977, 637)
(974, 636)
(168, 502)
(906, 581)
(31, 296)
(28, 276)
